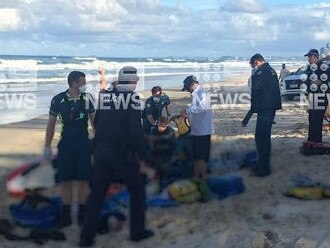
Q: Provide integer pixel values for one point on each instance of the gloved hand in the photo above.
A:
(48, 154)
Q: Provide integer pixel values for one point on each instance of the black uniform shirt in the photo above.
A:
(265, 89)
(118, 122)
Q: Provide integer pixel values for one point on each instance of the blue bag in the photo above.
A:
(250, 159)
(37, 212)
(224, 186)
(159, 201)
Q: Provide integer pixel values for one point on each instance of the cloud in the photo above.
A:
(244, 6)
(151, 28)
(9, 19)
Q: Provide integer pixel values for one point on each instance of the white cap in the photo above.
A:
(128, 73)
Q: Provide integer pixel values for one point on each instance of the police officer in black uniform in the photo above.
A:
(317, 80)
(154, 108)
(265, 100)
(119, 144)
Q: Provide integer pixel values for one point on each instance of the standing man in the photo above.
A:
(284, 73)
(154, 108)
(120, 148)
(318, 76)
(74, 158)
(201, 123)
(265, 100)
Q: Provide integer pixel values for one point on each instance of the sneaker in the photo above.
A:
(144, 235)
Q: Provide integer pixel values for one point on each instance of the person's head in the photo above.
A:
(77, 81)
(283, 66)
(257, 60)
(313, 56)
(128, 75)
(189, 84)
(156, 91)
(162, 124)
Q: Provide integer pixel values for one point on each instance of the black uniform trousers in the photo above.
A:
(110, 164)
(315, 119)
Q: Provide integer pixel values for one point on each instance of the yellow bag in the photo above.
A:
(307, 193)
(183, 125)
(184, 191)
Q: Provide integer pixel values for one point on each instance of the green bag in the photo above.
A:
(206, 193)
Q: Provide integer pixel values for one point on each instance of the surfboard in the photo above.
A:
(31, 175)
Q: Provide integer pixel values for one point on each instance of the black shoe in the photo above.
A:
(103, 226)
(254, 168)
(81, 215)
(86, 242)
(261, 173)
(144, 235)
(64, 222)
(65, 219)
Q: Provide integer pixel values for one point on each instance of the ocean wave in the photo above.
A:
(19, 63)
(32, 80)
(85, 58)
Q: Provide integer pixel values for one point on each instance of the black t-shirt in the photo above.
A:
(73, 113)
(165, 142)
(155, 107)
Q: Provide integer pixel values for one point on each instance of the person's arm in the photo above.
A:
(151, 119)
(247, 117)
(281, 75)
(47, 153)
(167, 105)
(200, 105)
(103, 80)
(91, 110)
(53, 112)
(168, 110)
(50, 130)
(91, 119)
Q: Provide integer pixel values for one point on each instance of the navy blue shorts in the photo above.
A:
(201, 147)
(74, 160)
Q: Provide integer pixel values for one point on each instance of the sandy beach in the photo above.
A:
(261, 217)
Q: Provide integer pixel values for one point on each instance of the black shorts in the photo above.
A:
(201, 147)
(74, 160)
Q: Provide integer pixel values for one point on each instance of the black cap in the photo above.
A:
(188, 81)
(255, 57)
(312, 52)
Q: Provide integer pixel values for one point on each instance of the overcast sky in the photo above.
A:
(157, 28)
